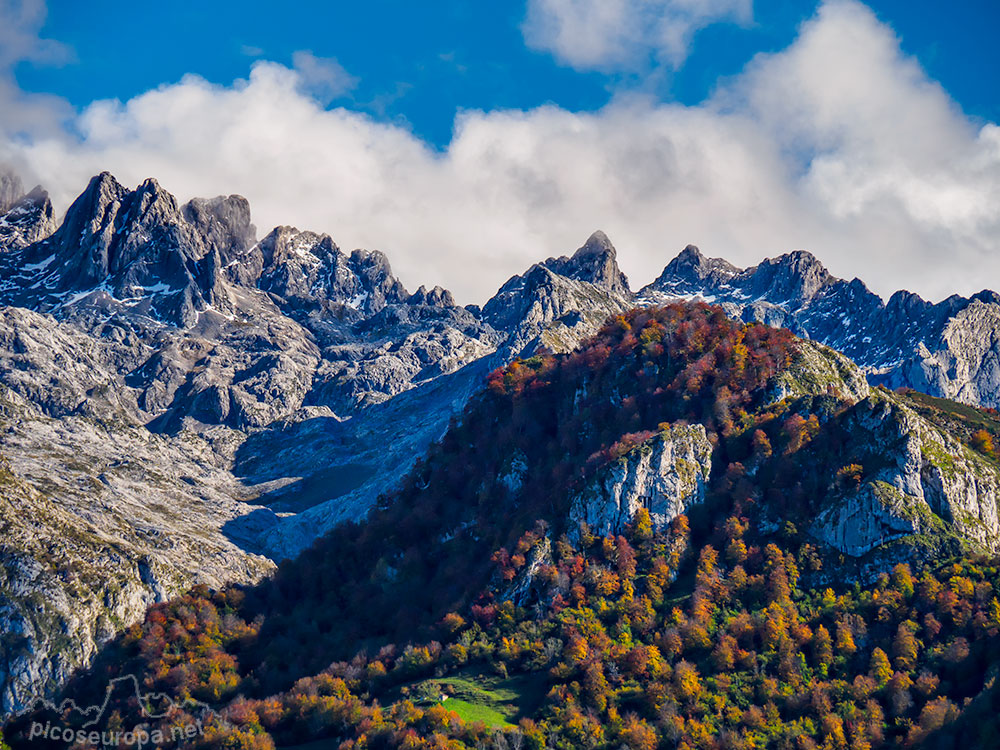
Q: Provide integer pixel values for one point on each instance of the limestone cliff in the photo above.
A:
(927, 484)
(666, 475)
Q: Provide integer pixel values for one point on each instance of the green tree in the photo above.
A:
(880, 669)
(905, 647)
(823, 647)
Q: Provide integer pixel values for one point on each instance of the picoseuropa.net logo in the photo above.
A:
(88, 725)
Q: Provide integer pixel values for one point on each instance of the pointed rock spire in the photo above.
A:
(597, 244)
(595, 262)
(692, 273)
(83, 241)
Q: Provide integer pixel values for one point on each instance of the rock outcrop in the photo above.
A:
(666, 475)
(818, 370)
(927, 484)
(28, 220)
(99, 521)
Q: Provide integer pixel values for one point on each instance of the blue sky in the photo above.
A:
(419, 63)
(469, 140)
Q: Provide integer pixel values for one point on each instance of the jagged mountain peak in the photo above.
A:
(692, 268)
(801, 262)
(905, 303)
(37, 194)
(306, 270)
(597, 244)
(107, 204)
(149, 205)
(136, 249)
(436, 297)
(375, 261)
(595, 262)
(118, 246)
(794, 277)
(150, 185)
(689, 255)
(102, 190)
(101, 184)
(561, 300)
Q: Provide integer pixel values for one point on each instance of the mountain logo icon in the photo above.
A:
(152, 705)
(82, 724)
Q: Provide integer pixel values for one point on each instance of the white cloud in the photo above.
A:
(21, 113)
(322, 77)
(839, 145)
(887, 144)
(20, 23)
(616, 35)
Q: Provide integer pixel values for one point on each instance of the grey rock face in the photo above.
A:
(100, 519)
(929, 484)
(11, 189)
(964, 363)
(666, 475)
(224, 224)
(29, 219)
(522, 587)
(949, 349)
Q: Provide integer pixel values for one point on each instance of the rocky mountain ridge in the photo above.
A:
(948, 349)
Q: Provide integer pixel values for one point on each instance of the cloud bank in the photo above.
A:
(616, 35)
(839, 144)
(22, 113)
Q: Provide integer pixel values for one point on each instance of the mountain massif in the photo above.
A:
(184, 403)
